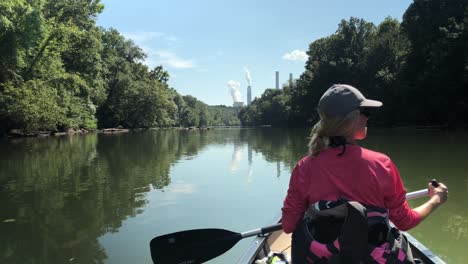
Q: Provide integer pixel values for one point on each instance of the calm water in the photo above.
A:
(102, 198)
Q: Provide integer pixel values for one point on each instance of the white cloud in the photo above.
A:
(139, 37)
(151, 59)
(158, 57)
(166, 59)
(181, 187)
(171, 59)
(296, 55)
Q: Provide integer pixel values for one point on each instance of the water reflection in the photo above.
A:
(59, 195)
(250, 170)
(46, 186)
(458, 227)
(236, 158)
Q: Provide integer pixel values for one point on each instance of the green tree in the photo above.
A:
(334, 59)
(159, 74)
(135, 96)
(22, 27)
(436, 72)
(37, 37)
(272, 108)
(385, 59)
(223, 115)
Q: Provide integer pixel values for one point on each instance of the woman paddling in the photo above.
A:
(337, 168)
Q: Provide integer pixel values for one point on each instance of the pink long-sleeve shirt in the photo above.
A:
(360, 174)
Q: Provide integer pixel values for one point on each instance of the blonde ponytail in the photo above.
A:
(330, 127)
(318, 142)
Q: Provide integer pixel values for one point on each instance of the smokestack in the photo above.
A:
(290, 80)
(277, 79)
(249, 86)
(278, 169)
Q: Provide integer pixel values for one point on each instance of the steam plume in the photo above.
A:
(234, 90)
(247, 75)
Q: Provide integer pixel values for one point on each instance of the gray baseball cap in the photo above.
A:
(340, 99)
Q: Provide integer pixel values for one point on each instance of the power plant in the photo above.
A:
(234, 88)
(238, 104)
(291, 82)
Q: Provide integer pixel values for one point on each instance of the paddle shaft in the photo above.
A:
(276, 227)
(421, 193)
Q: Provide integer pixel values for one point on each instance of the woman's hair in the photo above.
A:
(326, 127)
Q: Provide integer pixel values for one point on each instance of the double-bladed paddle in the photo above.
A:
(200, 245)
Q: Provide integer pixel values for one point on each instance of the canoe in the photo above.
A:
(278, 241)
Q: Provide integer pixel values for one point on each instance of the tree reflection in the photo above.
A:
(457, 226)
(60, 194)
(50, 188)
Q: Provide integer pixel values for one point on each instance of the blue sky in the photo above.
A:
(206, 44)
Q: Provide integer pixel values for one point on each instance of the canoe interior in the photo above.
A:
(280, 242)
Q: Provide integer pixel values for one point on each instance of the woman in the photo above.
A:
(337, 168)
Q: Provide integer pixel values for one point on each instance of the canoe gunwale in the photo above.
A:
(422, 251)
(257, 245)
(254, 250)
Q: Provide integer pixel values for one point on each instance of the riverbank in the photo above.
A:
(19, 133)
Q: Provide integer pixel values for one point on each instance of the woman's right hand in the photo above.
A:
(439, 193)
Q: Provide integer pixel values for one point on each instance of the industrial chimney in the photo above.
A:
(249, 86)
(290, 80)
(277, 80)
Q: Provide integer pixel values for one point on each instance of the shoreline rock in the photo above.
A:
(114, 130)
(20, 133)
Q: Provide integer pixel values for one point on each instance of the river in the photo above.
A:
(101, 198)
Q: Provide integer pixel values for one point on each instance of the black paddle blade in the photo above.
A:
(192, 246)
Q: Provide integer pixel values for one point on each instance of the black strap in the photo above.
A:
(353, 238)
(338, 141)
(352, 233)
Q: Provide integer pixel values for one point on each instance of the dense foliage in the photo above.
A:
(58, 70)
(418, 68)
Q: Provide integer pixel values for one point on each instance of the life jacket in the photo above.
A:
(348, 232)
